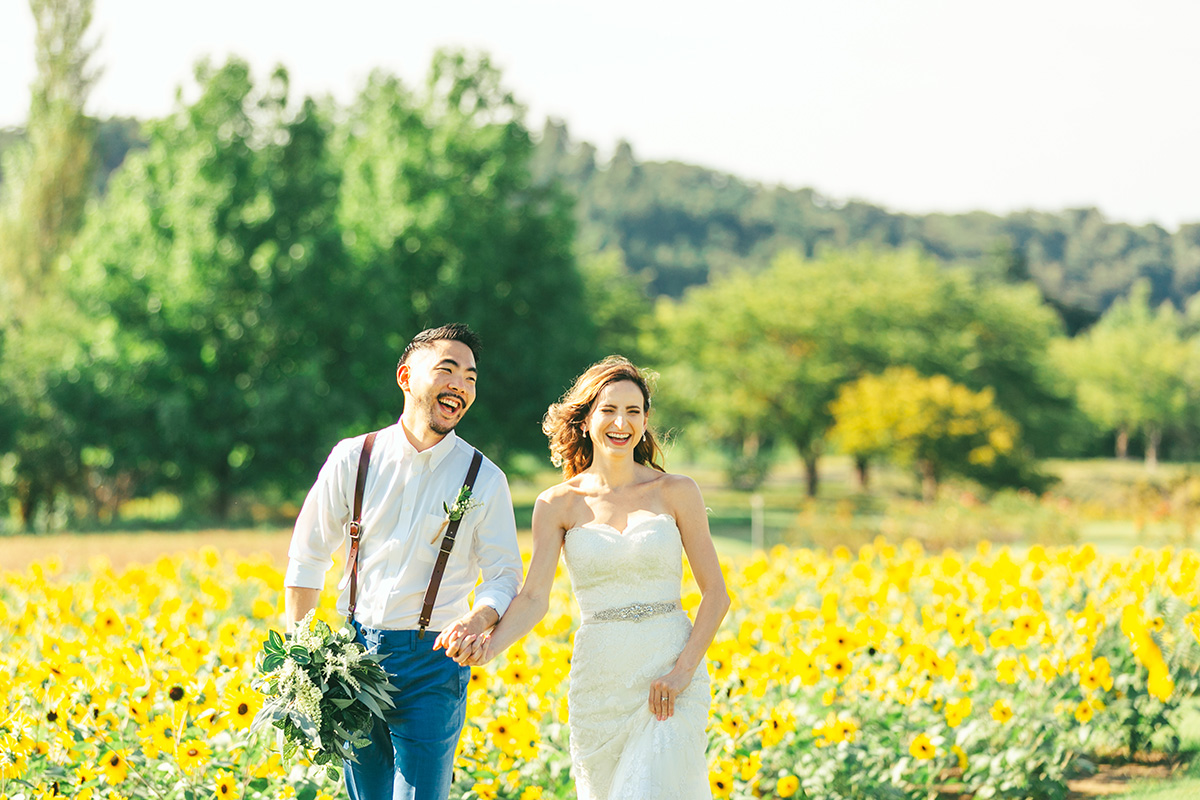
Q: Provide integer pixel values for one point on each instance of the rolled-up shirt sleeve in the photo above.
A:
(320, 526)
(497, 551)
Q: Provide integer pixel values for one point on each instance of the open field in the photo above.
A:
(1099, 503)
(1103, 502)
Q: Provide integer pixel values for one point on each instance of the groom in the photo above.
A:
(416, 466)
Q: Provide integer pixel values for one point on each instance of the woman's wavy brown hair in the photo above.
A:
(570, 447)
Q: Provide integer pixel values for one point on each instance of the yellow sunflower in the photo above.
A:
(225, 787)
(241, 705)
(114, 767)
(192, 754)
(922, 748)
(721, 782)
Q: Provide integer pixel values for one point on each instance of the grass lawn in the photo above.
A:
(1185, 784)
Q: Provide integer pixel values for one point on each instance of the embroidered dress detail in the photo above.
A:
(635, 612)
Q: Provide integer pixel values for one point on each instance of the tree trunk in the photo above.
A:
(1122, 444)
(750, 444)
(862, 470)
(1153, 439)
(812, 478)
(223, 498)
(929, 481)
(28, 505)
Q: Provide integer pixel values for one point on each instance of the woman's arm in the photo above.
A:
(532, 602)
(687, 505)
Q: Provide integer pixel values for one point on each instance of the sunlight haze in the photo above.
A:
(918, 106)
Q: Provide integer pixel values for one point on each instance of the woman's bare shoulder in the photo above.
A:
(560, 492)
(678, 490)
(559, 501)
(674, 482)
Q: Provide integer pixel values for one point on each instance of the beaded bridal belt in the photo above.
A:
(635, 612)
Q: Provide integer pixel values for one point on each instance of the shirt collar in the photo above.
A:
(436, 454)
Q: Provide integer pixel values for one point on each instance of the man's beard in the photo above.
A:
(432, 409)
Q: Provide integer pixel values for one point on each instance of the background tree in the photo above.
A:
(1131, 371)
(618, 304)
(211, 260)
(49, 175)
(771, 350)
(47, 182)
(444, 222)
(933, 424)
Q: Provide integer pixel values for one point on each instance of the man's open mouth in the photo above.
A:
(449, 403)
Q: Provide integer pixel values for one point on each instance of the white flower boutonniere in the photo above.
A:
(462, 504)
(455, 511)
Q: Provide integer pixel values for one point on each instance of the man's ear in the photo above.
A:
(402, 375)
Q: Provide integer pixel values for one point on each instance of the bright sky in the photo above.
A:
(917, 105)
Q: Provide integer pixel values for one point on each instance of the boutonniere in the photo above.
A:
(462, 504)
(454, 511)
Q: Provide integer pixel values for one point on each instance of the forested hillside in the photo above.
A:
(683, 224)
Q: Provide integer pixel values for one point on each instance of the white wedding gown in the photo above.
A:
(627, 584)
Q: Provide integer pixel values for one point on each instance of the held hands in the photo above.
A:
(664, 691)
(475, 651)
(466, 640)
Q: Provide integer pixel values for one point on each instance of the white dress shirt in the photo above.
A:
(402, 526)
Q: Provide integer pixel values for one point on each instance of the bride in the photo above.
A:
(639, 697)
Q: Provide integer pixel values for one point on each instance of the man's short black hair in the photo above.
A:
(455, 332)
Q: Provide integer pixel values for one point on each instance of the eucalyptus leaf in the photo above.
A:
(272, 710)
(370, 702)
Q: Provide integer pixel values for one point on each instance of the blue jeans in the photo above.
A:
(411, 754)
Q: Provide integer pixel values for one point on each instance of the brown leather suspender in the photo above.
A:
(435, 580)
(356, 523)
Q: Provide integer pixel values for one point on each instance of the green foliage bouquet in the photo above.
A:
(323, 691)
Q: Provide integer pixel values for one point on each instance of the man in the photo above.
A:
(416, 466)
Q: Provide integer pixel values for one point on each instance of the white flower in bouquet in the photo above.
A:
(323, 691)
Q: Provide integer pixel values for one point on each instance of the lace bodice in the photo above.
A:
(611, 568)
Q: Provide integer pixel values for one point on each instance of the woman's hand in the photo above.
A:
(664, 691)
(475, 651)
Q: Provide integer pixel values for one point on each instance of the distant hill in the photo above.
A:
(682, 224)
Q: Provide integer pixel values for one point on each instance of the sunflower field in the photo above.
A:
(888, 672)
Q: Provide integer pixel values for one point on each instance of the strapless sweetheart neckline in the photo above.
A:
(628, 526)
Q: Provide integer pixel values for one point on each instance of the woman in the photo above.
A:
(638, 699)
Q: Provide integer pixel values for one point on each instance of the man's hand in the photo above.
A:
(475, 651)
(463, 639)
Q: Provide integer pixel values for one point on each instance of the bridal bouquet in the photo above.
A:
(324, 691)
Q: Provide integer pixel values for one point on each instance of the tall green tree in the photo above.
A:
(47, 182)
(445, 222)
(215, 259)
